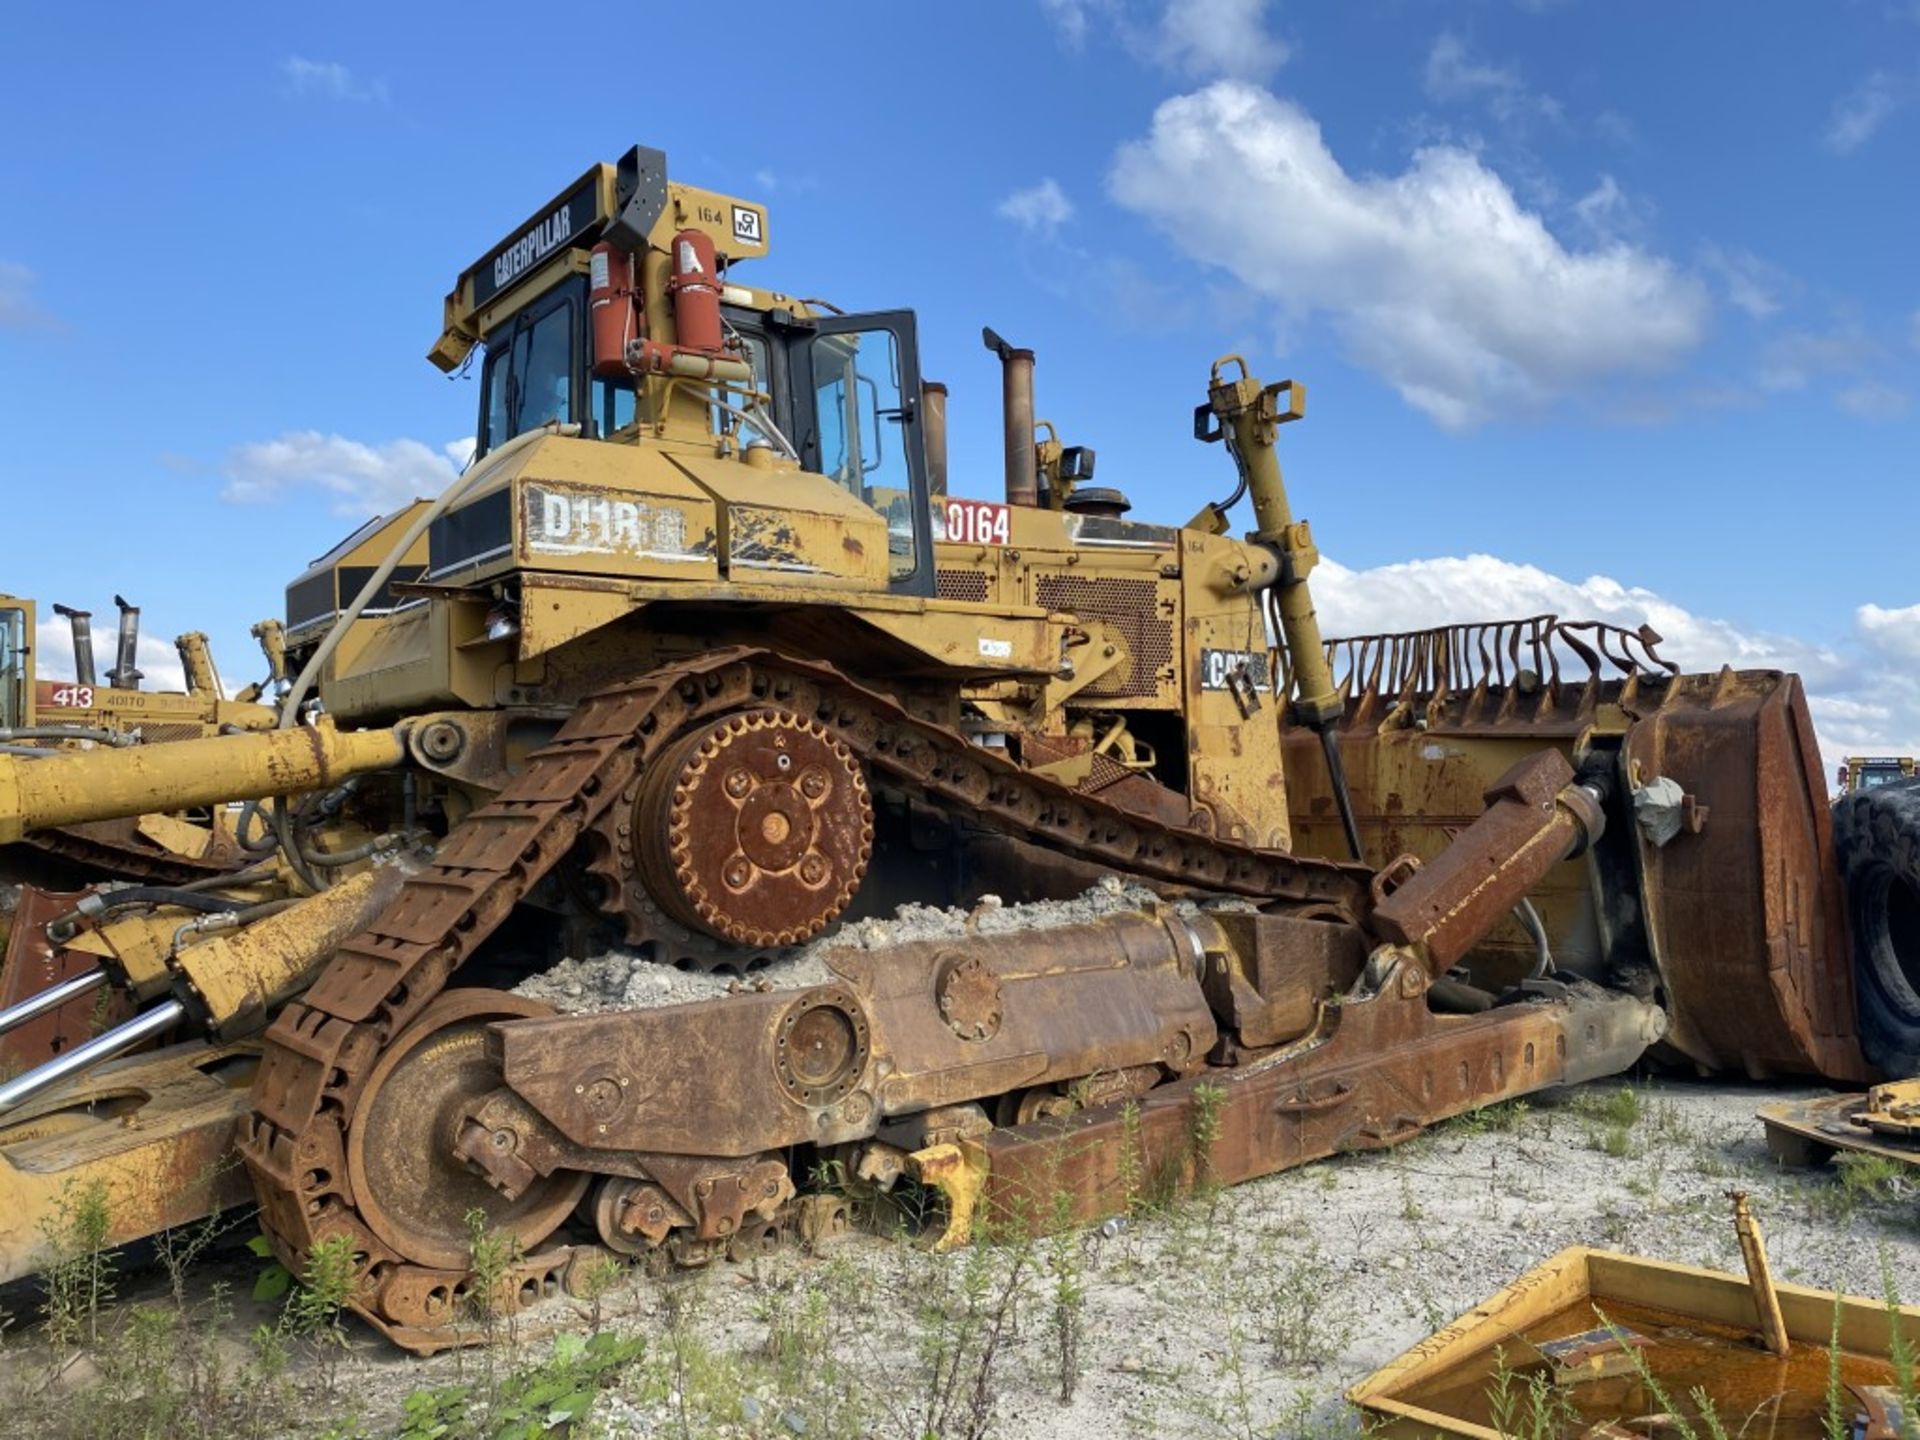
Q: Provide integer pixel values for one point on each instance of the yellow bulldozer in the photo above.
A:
(701, 653)
(41, 713)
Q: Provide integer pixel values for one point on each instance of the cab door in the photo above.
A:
(856, 392)
(16, 669)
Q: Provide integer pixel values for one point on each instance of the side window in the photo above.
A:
(833, 386)
(500, 369)
(13, 667)
(613, 406)
(863, 431)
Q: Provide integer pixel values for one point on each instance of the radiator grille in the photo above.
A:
(1129, 606)
(180, 730)
(961, 585)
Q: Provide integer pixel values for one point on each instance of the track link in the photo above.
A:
(320, 1051)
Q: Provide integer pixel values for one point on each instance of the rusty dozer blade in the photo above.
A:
(1717, 888)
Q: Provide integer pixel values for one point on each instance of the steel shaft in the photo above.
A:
(34, 1006)
(22, 1088)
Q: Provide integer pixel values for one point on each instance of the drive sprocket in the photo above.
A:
(753, 830)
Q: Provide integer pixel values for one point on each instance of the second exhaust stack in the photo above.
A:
(1016, 388)
(126, 675)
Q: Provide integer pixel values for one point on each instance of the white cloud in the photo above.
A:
(329, 80)
(1615, 128)
(363, 479)
(18, 308)
(1041, 208)
(1199, 39)
(1069, 17)
(1605, 210)
(1897, 632)
(1794, 360)
(1859, 114)
(1864, 693)
(1752, 284)
(1454, 74)
(156, 658)
(1436, 278)
(1872, 400)
(1204, 38)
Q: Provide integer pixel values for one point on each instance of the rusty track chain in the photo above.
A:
(318, 1053)
(127, 862)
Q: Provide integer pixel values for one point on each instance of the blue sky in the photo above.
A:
(1611, 309)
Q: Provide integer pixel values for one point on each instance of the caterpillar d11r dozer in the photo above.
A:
(699, 651)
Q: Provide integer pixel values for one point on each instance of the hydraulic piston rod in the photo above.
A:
(117, 1041)
(52, 998)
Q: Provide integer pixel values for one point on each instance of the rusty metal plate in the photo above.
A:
(1808, 1132)
(1377, 1073)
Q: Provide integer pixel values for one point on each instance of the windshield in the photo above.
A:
(13, 666)
(857, 396)
(529, 378)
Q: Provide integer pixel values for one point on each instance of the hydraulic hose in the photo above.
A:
(68, 732)
(61, 927)
(1530, 921)
(170, 895)
(243, 831)
(382, 573)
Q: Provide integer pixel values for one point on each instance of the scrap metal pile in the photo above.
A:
(700, 659)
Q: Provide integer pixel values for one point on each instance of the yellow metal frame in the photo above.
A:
(1580, 1273)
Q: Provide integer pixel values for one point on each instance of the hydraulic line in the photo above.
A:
(1530, 921)
(382, 573)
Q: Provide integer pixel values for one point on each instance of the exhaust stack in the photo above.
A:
(125, 675)
(1016, 389)
(933, 426)
(82, 623)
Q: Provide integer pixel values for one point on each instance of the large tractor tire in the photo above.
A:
(1877, 835)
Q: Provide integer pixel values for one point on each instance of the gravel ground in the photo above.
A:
(1247, 1315)
(1242, 1314)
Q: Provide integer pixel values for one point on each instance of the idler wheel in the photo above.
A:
(412, 1190)
(756, 828)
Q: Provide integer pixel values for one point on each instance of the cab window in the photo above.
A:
(13, 666)
(530, 372)
(861, 423)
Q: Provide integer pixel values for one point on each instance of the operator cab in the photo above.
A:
(839, 395)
